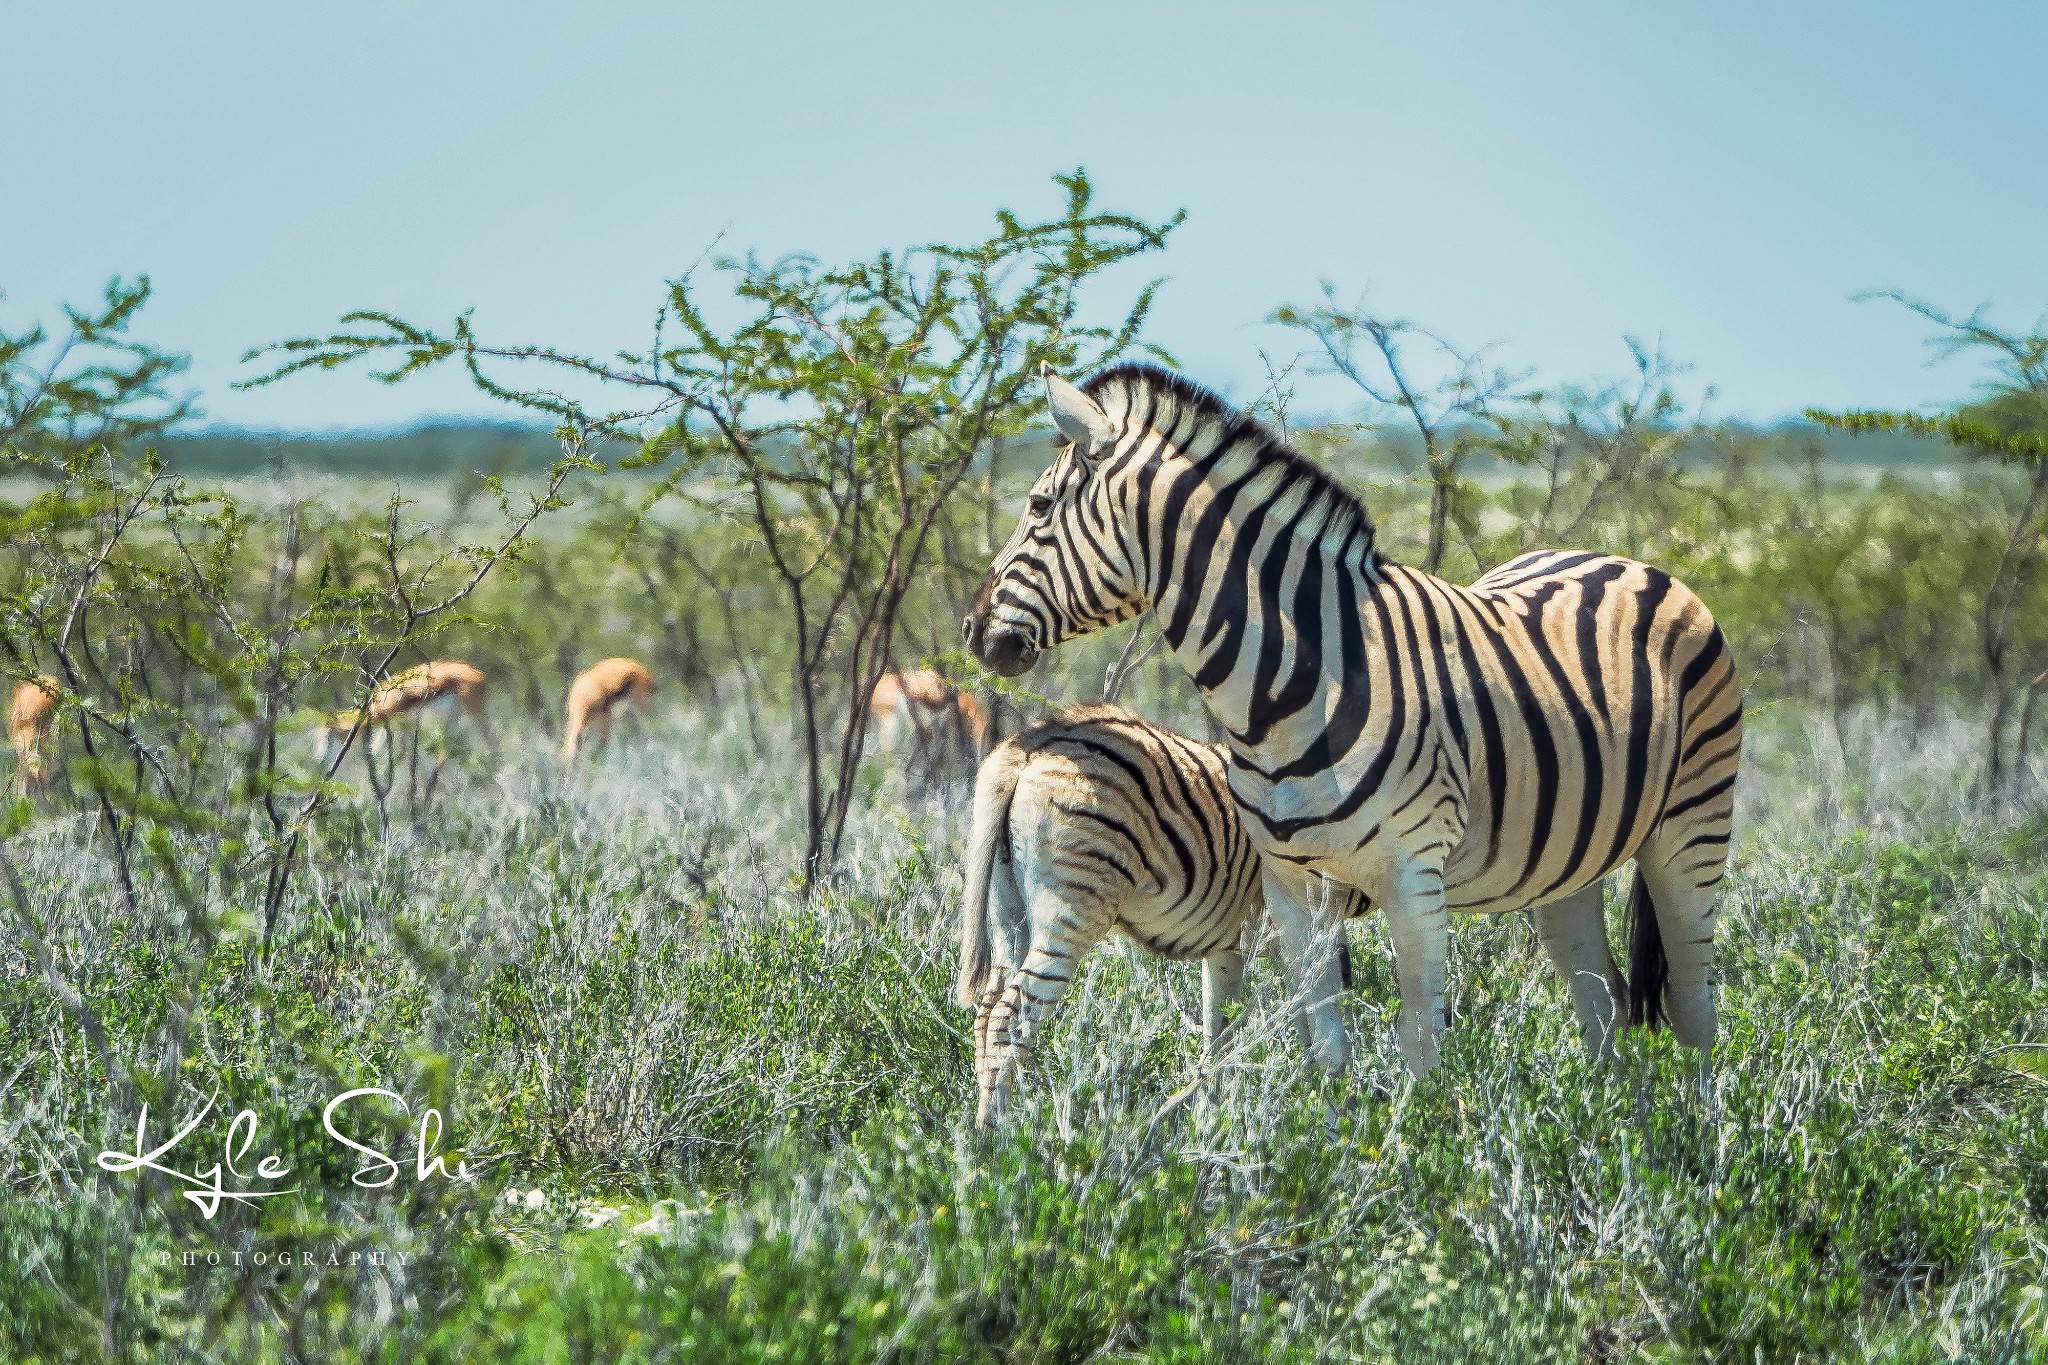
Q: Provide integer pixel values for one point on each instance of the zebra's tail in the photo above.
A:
(1648, 969)
(987, 845)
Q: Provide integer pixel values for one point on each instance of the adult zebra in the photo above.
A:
(1435, 747)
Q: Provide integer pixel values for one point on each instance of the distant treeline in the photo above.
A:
(453, 449)
(433, 450)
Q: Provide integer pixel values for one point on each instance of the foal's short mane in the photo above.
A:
(1240, 429)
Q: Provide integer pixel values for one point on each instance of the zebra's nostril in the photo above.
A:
(967, 629)
(1006, 650)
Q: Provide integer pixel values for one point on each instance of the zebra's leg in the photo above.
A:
(1683, 878)
(1312, 970)
(1573, 932)
(992, 1090)
(1222, 980)
(1009, 930)
(1061, 933)
(1412, 896)
(997, 1053)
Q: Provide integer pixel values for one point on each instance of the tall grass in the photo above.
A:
(747, 1117)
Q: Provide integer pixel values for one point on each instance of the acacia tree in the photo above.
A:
(837, 423)
(2010, 426)
(1445, 393)
(92, 385)
(1596, 450)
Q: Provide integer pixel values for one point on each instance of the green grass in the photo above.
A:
(613, 996)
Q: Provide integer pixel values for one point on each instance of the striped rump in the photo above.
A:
(1096, 821)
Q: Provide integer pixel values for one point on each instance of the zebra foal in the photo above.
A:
(1432, 746)
(1090, 822)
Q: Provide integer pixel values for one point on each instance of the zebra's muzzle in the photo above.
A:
(1002, 649)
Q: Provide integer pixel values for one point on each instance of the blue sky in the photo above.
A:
(1548, 177)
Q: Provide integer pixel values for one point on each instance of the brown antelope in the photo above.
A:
(597, 692)
(440, 684)
(30, 721)
(919, 705)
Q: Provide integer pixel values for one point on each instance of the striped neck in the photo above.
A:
(1191, 471)
(1239, 541)
(1239, 555)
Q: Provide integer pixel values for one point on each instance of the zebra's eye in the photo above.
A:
(1041, 505)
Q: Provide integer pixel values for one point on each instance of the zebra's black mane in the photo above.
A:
(1240, 429)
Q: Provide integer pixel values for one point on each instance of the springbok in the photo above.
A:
(597, 692)
(30, 721)
(919, 705)
(439, 685)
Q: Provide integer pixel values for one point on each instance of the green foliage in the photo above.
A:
(188, 637)
(2010, 425)
(776, 1025)
(461, 452)
(94, 384)
(1970, 431)
(835, 424)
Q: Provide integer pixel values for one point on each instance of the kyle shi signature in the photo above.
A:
(210, 1188)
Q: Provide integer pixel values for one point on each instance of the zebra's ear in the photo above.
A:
(1075, 415)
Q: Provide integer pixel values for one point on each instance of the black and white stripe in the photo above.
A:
(1096, 821)
(1436, 747)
